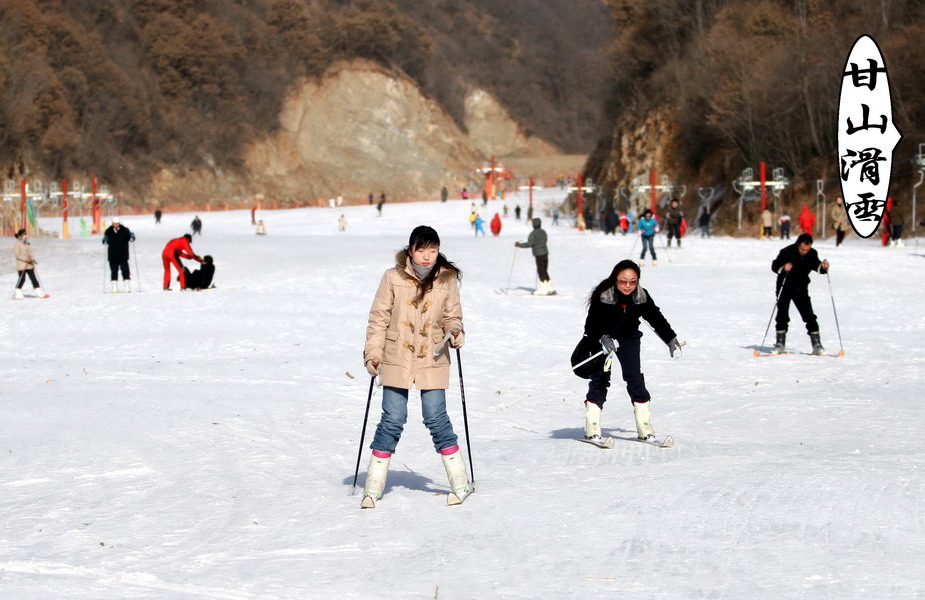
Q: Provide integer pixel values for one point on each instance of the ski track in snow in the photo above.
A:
(202, 445)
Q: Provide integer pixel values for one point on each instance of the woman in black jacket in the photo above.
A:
(614, 309)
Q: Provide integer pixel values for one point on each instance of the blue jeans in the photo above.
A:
(395, 415)
(647, 240)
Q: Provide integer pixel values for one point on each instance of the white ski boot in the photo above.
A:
(17, 295)
(592, 421)
(541, 290)
(644, 430)
(127, 283)
(458, 476)
(39, 293)
(114, 287)
(376, 476)
(550, 288)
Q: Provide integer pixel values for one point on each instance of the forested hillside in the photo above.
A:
(755, 80)
(124, 88)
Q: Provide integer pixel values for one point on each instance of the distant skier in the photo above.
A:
(673, 218)
(175, 250)
(615, 307)
(839, 220)
(496, 225)
(379, 204)
(517, 212)
(537, 242)
(416, 305)
(118, 238)
(647, 228)
(342, 224)
(624, 222)
(444, 194)
(767, 224)
(704, 223)
(479, 224)
(196, 225)
(261, 228)
(25, 266)
(793, 265)
(806, 220)
(157, 216)
(784, 223)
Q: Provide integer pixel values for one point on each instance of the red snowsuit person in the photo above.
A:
(496, 225)
(173, 251)
(807, 220)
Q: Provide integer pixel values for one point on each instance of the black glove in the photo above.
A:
(674, 346)
(607, 344)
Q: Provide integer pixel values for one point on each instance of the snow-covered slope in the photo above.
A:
(203, 445)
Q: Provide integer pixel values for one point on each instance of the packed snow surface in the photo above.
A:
(203, 444)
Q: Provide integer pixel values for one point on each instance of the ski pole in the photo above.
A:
(39, 280)
(544, 384)
(773, 310)
(634, 245)
(462, 392)
(105, 264)
(664, 247)
(511, 274)
(369, 399)
(137, 272)
(841, 347)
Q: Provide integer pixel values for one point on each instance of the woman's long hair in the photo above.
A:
(611, 281)
(423, 237)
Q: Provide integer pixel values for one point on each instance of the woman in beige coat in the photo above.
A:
(839, 221)
(415, 313)
(25, 265)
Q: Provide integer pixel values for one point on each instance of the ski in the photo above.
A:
(760, 354)
(606, 443)
(454, 499)
(828, 354)
(668, 442)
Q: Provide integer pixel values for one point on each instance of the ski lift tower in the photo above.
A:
(581, 188)
(640, 188)
(530, 188)
(746, 183)
(492, 174)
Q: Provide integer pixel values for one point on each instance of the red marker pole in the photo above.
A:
(64, 231)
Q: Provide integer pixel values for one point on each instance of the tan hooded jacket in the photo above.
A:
(402, 336)
(23, 252)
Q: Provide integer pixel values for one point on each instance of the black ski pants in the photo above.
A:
(628, 356)
(116, 266)
(542, 267)
(800, 299)
(22, 278)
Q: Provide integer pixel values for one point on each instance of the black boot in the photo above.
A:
(780, 342)
(817, 343)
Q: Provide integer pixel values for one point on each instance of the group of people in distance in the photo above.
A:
(118, 239)
(416, 318)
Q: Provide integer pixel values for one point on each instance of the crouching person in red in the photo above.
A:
(173, 252)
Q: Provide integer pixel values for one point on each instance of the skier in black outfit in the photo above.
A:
(614, 309)
(201, 278)
(792, 265)
(673, 219)
(118, 237)
(196, 225)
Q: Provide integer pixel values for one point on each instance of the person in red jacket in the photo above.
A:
(173, 252)
(496, 225)
(807, 220)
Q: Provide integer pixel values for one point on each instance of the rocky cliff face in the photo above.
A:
(357, 131)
